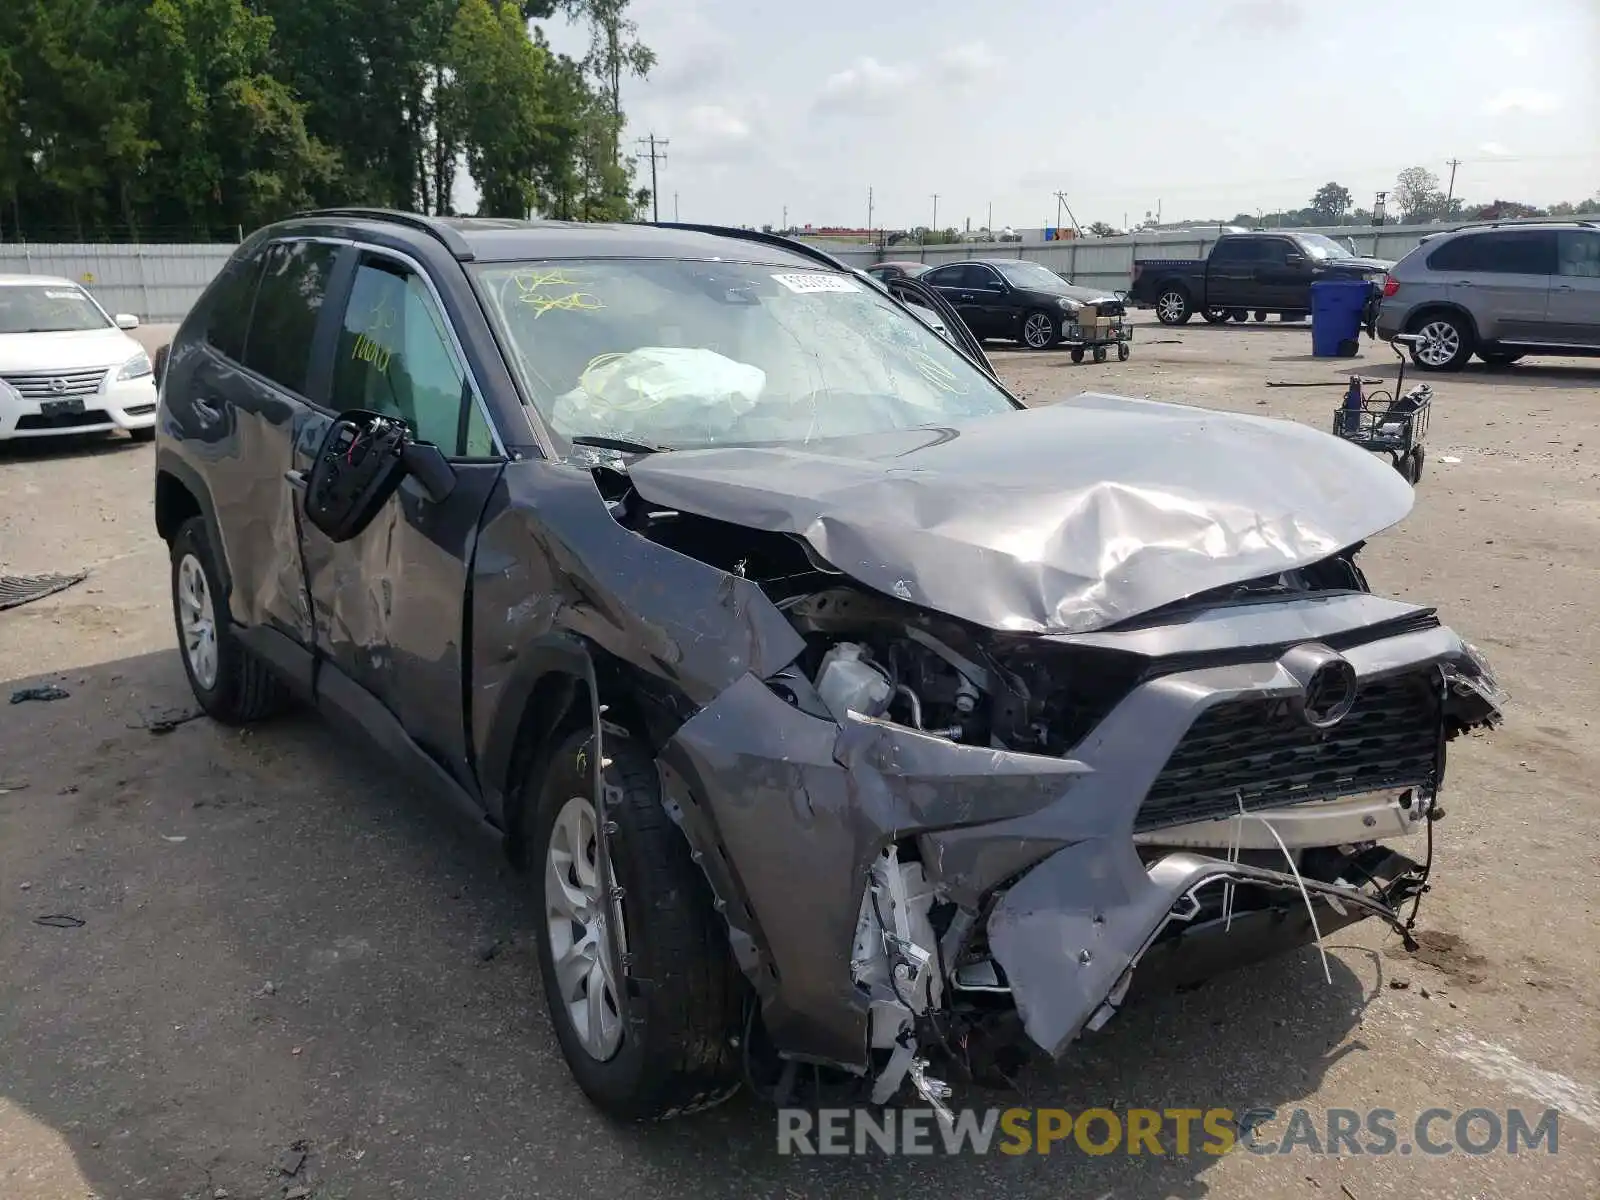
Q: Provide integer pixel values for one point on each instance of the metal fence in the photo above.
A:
(1108, 262)
(160, 282)
(155, 283)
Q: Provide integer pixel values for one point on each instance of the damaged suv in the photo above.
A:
(842, 711)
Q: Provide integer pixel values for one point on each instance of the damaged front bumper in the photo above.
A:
(1048, 858)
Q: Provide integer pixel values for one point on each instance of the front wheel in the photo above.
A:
(1123, 352)
(640, 983)
(1260, 316)
(1446, 342)
(1077, 354)
(1173, 308)
(1040, 330)
(1239, 314)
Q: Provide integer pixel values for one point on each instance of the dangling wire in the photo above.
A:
(1294, 870)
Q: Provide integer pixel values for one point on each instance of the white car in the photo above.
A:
(68, 367)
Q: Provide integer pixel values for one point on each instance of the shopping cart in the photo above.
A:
(1378, 422)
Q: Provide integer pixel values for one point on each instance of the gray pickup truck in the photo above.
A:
(1247, 273)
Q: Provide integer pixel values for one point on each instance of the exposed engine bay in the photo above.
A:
(1260, 825)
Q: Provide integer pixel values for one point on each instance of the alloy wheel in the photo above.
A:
(1037, 330)
(1171, 306)
(1441, 342)
(197, 619)
(584, 929)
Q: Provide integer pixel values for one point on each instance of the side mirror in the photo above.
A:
(126, 321)
(362, 460)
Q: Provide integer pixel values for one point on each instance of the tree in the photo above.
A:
(1101, 229)
(1415, 189)
(1331, 202)
(614, 51)
(1500, 210)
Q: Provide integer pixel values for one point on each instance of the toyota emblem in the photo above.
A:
(1330, 694)
(58, 386)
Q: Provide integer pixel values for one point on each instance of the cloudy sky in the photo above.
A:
(1209, 107)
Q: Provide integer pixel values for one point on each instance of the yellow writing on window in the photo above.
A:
(531, 291)
(367, 350)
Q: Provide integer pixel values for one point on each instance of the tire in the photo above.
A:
(1293, 317)
(1123, 351)
(1040, 330)
(1418, 456)
(230, 684)
(147, 434)
(1499, 358)
(1099, 354)
(1450, 341)
(677, 1015)
(1260, 317)
(1173, 306)
(1213, 316)
(1077, 354)
(1240, 315)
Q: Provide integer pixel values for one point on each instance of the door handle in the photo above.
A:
(1565, 287)
(296, 480)
(206, 405)
(966, 295)
(1463, 283)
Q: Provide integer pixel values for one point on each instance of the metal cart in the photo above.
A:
(1100, 339)
(1384, 425)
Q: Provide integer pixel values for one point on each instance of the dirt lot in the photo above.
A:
(289, 958)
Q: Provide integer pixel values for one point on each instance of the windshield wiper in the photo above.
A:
(622, 444)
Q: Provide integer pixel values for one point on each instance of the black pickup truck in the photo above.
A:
(1247, 273)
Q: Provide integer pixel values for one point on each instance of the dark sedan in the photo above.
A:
(1012, 298)
(886, 271)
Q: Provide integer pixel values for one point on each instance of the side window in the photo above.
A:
(983, 277)
(1236, 250)
(1578, 253)
(1275, 252)
(1513, 252)
(294, 281)
(943, 277)
(228, 308)
(395, 357)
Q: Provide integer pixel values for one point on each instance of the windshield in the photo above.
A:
(1324, 247)
(1030, 275)
(680, 354)
(47, 308)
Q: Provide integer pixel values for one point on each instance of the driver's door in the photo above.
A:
(388, 605)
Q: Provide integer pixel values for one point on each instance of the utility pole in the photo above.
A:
(655, 155)
(869, 213)
(935, 226)
(1061, 202)
(784, 228)
(674, 206)
(1451, 194)
(989, 224)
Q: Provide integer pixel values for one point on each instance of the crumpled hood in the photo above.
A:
(1067, 518)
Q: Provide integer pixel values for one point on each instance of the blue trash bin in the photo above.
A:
(1336, 307)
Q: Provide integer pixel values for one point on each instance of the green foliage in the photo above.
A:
(1331, 202)
(147, 115)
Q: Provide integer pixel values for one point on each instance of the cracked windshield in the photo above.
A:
(676, 354)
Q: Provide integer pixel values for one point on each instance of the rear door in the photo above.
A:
(1502, 277)
(390, 603)
(1231, 272)
(238, 405)
(1573, 315)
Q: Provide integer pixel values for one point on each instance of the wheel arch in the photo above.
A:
(1418, 315)
(181, 494)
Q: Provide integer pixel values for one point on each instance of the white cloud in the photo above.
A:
(716, 133)
(968, 63)
(1265, 16)
(1522, 100)
(867, 85)
(1493, 149)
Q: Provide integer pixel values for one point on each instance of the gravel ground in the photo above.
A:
(290, 959)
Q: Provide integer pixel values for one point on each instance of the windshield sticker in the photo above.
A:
(816, 281)
(63, 295)
(532, 290)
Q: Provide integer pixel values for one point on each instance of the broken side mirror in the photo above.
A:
(362, 460)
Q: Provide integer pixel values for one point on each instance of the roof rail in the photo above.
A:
(450, 238)
(766, 239)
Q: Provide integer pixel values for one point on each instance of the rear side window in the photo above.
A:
(1502, 252)
(1580, 253)
(1238, 250)
(294, 281)
(228, 310)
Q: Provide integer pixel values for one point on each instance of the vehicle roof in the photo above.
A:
(52, 280)
(1552, 223)
(902, 262)
(492, 239)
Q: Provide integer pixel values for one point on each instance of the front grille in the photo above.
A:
(77, 420)
(1261, 753)
(55, 385)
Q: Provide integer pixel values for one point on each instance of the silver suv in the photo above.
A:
(1500, 291)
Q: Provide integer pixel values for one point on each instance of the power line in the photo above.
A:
(654, 156)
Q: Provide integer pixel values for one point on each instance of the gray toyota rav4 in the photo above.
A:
(840, 710)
